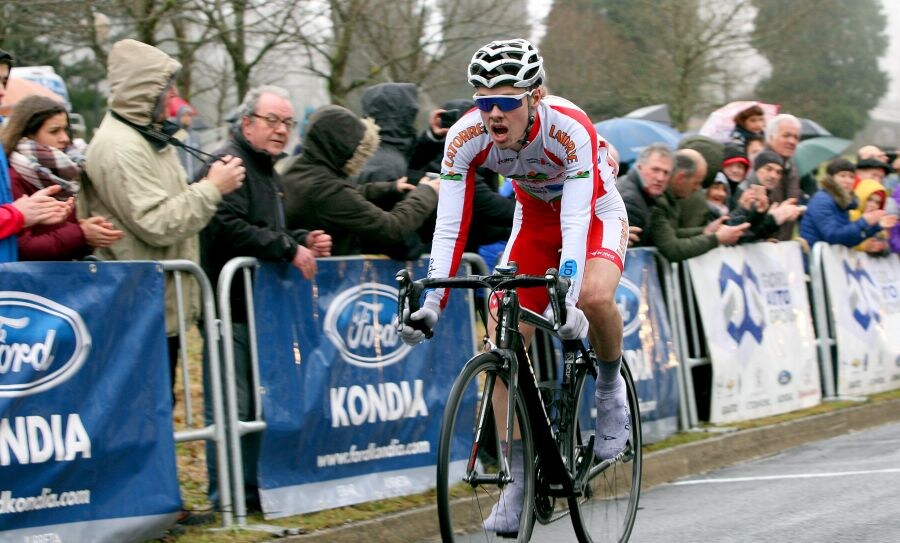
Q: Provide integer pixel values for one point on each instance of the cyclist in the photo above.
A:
(568, 215)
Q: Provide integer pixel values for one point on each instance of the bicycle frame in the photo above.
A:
(510, 347)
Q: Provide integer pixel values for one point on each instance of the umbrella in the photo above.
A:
(629, 136)
(814, 151)
(720, 122)
(19, 88)
(811, 129)
(658, 113)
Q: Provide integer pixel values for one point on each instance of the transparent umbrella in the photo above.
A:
(720, 122)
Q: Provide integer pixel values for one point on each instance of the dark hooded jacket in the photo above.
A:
(320, 195)
(393, 106)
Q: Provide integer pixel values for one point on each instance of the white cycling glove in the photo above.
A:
(576, 326)
(429, 314)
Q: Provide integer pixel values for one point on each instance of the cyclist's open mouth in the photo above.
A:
(499, 131)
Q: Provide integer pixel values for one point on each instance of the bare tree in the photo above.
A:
(251, 31)
(643, 52)
(372, 41)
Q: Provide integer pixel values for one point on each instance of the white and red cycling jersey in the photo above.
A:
(567, 207)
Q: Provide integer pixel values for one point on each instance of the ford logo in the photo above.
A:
(359, 324)
(42, 343)
(784, 377)
(628, 300)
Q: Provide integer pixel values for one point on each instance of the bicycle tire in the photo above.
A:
(462, 508)
(605, 513)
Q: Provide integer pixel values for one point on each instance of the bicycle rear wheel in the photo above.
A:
(606, 510)
(469, 454)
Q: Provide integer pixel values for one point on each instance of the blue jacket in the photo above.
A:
(9, 248)
(824, 220)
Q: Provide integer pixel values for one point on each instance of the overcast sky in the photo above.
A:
(890, 105)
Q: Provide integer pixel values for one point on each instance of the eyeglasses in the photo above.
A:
(274, 120)
(505, 102)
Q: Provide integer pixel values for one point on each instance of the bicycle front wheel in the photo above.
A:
(470, 457)
(606, 510)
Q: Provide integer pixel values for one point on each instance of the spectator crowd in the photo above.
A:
(369, 184)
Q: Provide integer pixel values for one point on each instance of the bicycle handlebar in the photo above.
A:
(557, 287)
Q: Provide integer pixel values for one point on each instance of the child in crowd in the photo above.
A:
(717, 197)
(754, 146)
(735, 167)
(749, 122)
(872, 197)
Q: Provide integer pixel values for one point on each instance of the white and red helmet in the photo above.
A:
(507, 62)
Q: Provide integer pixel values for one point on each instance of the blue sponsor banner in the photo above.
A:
(352, 413)
(86, 439)
(647, 347)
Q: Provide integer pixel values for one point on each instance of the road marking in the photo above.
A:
(794, 476)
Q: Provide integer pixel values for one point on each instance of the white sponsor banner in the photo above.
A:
(755, 312)
(864, 295)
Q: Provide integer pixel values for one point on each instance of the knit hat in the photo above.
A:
(734, 154)
(840, 165)
(719, 179)
(767, 157)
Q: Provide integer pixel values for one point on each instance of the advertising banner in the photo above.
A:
(352, 413)
(755, 312)
(648, 348)
(86, 440)
(864, 297)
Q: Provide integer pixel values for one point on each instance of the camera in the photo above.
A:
(449, 117)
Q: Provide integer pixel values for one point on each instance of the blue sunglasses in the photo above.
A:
(503, 101)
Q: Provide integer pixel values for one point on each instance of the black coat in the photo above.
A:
(248, 221)
(638, 205)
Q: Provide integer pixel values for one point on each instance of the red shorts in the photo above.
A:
(536, 240)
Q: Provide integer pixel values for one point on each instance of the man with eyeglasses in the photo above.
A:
(250, 222)
(569, 215)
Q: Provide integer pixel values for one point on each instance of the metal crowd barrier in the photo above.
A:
(237, 428)
(687, 412)
(822, 318)
(214, 432)
(689, 342)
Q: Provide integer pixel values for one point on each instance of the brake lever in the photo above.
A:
(409, 293)
(557, 287)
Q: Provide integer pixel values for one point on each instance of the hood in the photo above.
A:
(394, 107)
(340, 140)
(138, 74)
(863, 190)
(844, 199)
(866, 188)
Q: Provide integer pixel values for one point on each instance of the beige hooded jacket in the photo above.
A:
(141, 189)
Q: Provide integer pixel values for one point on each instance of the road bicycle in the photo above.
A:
(553, 418)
